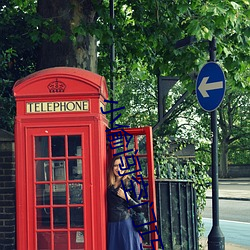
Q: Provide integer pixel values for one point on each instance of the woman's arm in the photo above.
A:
(134, 201)
(132, 197)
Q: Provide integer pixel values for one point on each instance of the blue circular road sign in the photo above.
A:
(210, 86)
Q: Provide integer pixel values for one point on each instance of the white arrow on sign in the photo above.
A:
(204, 86)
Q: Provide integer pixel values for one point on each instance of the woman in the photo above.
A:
(121, 233)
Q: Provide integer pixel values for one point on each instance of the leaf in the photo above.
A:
(246, 2)
(34, 36)
(226, 51)
(206, 33)
(194, 27)
(235, 5)
(219, 10)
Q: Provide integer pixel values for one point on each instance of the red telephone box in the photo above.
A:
(61, 159)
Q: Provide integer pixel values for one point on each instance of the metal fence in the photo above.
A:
(176, 211)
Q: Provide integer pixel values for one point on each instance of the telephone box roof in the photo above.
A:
(96, 83)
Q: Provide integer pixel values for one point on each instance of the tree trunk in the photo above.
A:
(75, 49)
(223, 166)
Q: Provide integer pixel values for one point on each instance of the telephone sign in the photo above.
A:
(210, 86)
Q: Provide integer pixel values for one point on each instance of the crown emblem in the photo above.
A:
(56, 86)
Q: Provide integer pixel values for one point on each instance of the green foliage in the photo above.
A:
(149, 30)
(145, 36)
(137, 92)
(15, 32)
(6, 99)
(234, 117)
(7, 107)
(17, 54)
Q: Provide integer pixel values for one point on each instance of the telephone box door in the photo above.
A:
(136, 145)
(58, 179)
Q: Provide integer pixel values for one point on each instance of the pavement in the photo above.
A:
(229, 194)
(228, 246)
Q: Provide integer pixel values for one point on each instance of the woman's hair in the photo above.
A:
(111, 176)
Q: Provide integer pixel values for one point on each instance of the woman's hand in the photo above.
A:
(121, 194)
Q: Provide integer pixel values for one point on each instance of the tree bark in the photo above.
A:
(75, 49)
(223, 166)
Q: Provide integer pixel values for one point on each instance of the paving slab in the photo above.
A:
(228, 246)
(242, 192)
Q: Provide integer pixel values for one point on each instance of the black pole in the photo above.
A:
(216, 240)
(112, 59)
(160, 108)
(212, 50)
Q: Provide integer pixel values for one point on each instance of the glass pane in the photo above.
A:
(41, 193)
(43, 241)
(46, 195)
(59, 194)
(75, 169)
(75, 193)
(43, 218)
(144, 189)
(144, 166)
(60, 217)
(129, 163)
(146, 210)
(42, 170)
(41, 146)
(120, 149)
(58, 170)
(74, 145)
(142, 144)
(77, 240)
(58, 146)
(76, 216)
(61, 240)
(130, 142)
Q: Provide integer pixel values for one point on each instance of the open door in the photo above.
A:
(136, 145)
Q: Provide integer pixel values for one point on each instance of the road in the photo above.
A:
(232, 210)
(234, 213)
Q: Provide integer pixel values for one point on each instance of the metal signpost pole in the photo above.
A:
(112, 58)
(210, 90)
(216, 240)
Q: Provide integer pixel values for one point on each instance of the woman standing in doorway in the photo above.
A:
(121, 233)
